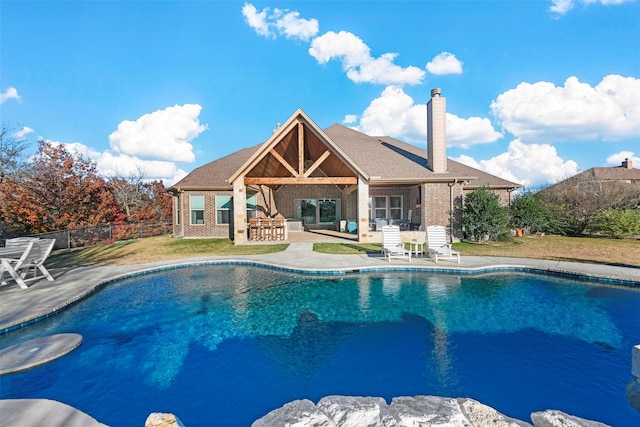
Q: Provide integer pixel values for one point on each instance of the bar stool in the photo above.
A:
(278, 225)
(254, 229)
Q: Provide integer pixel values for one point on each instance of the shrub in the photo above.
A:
(526, 212)
(616, 223)
(483, 217)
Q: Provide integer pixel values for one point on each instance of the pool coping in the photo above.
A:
(43, 299)
(23, 307)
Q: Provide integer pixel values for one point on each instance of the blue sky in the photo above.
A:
(536, 90)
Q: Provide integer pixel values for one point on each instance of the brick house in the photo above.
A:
(332, 178)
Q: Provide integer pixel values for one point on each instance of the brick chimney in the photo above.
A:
(436, 133)
(627, 164)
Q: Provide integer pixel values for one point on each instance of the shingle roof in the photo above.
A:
(384, 159)
(214, 175)
(616, 173)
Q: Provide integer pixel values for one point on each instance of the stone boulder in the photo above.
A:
(350, 411)
(555, 418)
(299, 413)
(159, 419)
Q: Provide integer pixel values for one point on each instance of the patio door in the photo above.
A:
(317, 211)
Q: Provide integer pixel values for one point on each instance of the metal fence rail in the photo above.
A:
(89, 236)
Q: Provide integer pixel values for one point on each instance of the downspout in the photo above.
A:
(181, 213)
(451, 184)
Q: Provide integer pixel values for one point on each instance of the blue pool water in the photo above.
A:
(224, 345)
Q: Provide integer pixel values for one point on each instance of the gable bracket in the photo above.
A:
(275, 154)
(317, 163)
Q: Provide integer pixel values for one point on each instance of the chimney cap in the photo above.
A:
(435, 92)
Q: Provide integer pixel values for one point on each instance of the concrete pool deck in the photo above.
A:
(21, 307)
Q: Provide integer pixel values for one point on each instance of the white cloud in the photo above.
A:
(257, 20)
(350, 118)
(11, 93)
(444, 63)
(395, 114)
(618, 158)
(110, 165)
(358, 63)
(467, 132)
(561, 7)
(573, 112)
(151, 145)
(292, 26)
(354, 54)
(26, 130)
(163, 135)
(527, 164)
(124, 165)
(283, 22)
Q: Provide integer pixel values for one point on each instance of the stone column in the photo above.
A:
(239, 212)
(363, 210)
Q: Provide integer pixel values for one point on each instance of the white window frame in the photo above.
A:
(220, 209)
(252, 206)
(374, 210)
(195, 208)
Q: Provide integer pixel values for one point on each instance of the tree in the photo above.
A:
(616, 223)
(140, 199)
(11, 153)
(573, 204)
(58, 190)
(483, 216)
(526, 212)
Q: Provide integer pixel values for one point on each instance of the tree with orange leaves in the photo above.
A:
(58, 190)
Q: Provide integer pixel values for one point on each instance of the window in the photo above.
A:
(223, 209)
(196, 204)
(395, 207)
(178, 203)
(380, 207)
(386, 207)
(252, 206)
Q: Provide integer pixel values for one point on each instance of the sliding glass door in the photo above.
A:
(317, 211)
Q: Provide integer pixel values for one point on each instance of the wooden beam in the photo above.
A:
(286, 164)
(317, 163)
(339, 180)
(300, 149)
(350, 189)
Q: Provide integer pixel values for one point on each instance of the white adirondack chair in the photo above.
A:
(14, 264)
(437, 244)
(392, 245)
(31, 262)
(35, 261)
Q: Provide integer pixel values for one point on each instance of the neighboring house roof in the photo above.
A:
(383, 159)
(616, 173)
(621, 174)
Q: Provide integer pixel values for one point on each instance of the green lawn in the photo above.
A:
(583, 249)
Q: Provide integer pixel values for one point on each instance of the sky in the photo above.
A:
(536, 91)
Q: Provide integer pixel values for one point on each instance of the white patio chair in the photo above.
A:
(35, 261)
(392, 245)
(437, 244)
(12, 266)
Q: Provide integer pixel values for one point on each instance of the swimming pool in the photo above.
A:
(224, 345)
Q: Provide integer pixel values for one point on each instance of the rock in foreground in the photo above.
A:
(350, 411)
